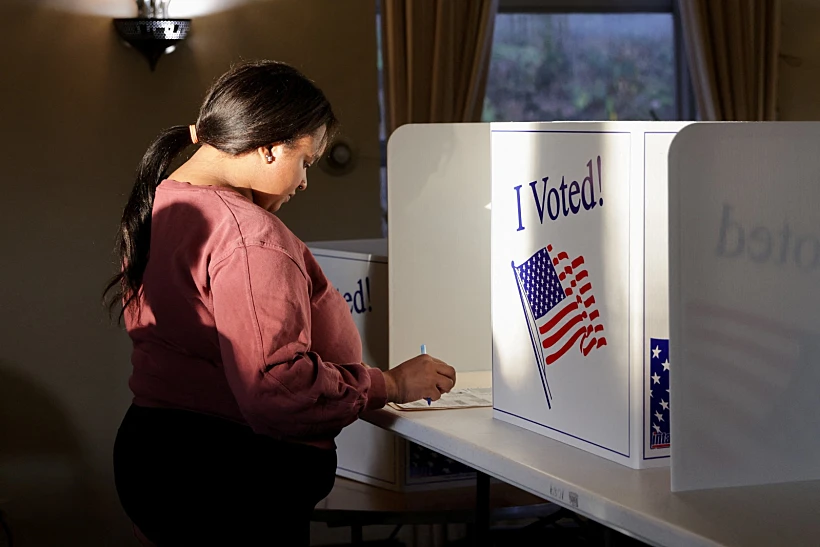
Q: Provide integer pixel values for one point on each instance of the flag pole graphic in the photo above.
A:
(534, 337)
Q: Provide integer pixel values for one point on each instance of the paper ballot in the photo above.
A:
(457, 398)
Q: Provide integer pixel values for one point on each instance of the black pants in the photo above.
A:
(189, 479)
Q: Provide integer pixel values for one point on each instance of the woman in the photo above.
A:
(246, 361)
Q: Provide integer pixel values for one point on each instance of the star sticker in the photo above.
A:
(659, 416)
(656, 427)
(664, 404)
(656, 352)
(656, 379)
(665, 365)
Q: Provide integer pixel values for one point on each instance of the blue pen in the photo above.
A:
(424, 352)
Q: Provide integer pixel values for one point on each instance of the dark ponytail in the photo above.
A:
(252, 105)
(134, 237)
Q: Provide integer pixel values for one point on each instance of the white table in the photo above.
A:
(638, 503)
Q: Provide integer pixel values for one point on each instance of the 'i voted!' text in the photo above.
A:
(562, 200)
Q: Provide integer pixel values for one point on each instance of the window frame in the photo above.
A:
(585, 6)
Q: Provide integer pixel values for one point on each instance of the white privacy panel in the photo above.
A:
(439, 243)
(745, 304)
(560, 262)
(579, 283)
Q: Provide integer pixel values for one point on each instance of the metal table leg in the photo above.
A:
(482, 510)
(357, 534)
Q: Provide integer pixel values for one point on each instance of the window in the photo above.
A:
(581, 66)
(586, 60)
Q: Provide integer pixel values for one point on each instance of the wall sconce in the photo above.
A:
(152, 33)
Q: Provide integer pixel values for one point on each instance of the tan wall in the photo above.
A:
(78, 110)
(799, 79)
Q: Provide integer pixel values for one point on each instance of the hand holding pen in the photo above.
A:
(422, 377)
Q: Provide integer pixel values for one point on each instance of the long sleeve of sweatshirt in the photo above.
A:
(262, 311)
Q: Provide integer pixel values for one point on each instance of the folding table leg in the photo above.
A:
(482, 510)
(357, 534)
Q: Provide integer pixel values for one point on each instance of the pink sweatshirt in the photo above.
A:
(237, 320)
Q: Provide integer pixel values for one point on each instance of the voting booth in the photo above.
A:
(745, 287)
(539, 251)
(635, 324)
(366, 453)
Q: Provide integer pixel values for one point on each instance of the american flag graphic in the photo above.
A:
(659, 393)
(556, 294)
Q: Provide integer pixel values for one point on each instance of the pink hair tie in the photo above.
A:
(194, 138)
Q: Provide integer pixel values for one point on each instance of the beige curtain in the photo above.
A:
(732, 48)
(436, 59)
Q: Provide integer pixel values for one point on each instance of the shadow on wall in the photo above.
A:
(43, 474)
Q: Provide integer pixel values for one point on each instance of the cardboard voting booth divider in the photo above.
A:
(579, 293)
(478, 216)
(366, 453)
(438, 211)
(745, 295)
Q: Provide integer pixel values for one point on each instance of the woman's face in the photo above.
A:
(284, 170)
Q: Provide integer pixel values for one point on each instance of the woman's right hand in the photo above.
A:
(422, 377)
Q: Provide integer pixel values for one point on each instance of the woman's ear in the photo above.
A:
(266, 154)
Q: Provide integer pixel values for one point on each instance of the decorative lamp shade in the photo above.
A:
(152, 34)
